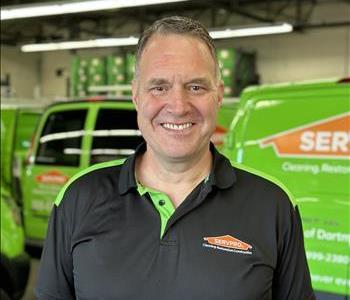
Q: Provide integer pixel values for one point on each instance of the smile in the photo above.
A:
(179, 127)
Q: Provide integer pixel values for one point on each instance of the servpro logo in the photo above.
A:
(52, 177)
(325, 138)
(227, 243)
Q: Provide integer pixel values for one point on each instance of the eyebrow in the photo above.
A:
(157, 81)
(200, 80)
(162, 81)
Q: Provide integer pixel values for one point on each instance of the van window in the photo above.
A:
(60, 141)
(116, 135)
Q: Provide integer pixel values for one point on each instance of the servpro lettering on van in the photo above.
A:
(327, 138)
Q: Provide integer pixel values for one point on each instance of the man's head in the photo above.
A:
(176, 25)
(176, 90)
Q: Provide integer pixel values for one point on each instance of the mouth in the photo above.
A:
(177, 127)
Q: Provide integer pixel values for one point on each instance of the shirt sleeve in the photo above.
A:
(55, 278)
(292, 277)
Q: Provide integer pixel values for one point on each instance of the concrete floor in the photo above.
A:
(29, 294)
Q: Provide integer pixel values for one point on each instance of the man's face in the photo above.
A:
(177, 96)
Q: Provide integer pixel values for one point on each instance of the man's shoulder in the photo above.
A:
(92, 177)
(262, 183)
(98, 170)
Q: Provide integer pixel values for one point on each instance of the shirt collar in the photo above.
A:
(222, 174)
(127, 179)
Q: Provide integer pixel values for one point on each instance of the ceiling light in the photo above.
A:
(132, 40)
(69, 7)
(99, 43)
(251, 30)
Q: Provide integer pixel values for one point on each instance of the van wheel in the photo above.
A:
(4, 295)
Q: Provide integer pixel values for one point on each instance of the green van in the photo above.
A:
(299, 134)
(72, 136)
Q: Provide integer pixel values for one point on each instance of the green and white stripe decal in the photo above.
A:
(85, 171)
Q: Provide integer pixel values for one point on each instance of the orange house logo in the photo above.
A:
(326, 138)
(228, 241)
(52, 177)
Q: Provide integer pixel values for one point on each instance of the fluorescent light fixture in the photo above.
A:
(251, 30)
(132, 40)
(98, 43)
(70, 7)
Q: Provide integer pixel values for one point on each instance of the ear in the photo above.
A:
(220, 92)
(134, 93)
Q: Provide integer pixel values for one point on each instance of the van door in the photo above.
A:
(28, 119)
(57, 156)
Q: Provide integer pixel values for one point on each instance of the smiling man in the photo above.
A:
(175, 220)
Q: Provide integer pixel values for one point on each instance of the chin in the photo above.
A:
(180, 152)
(177, 153)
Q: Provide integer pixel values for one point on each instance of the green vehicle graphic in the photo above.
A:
(299, 135)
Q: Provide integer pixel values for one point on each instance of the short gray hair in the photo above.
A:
(177, 25)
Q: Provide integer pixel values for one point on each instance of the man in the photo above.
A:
(175, 220)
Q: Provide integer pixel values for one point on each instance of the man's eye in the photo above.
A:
(196, 88)
(158, 89)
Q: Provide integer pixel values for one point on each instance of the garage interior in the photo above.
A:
(315, 47)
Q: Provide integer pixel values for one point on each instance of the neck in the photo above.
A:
(176, 178)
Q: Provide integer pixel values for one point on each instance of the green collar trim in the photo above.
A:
(161, 202)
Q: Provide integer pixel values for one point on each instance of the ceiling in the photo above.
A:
(126, 21)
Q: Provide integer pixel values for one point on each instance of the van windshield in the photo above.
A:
(116, 135)
(60, 141)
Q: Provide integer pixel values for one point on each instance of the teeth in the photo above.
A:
(177, 126)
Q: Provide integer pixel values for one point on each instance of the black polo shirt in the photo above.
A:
(236, 236)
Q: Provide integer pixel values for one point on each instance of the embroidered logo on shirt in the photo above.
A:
(227, 243)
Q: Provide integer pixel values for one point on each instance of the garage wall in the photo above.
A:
(316, 54)
(24, 71)
(56, 70)
(54, 73)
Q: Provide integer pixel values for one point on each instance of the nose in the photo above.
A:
(178, 102)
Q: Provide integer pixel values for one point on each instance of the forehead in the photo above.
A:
(176, 51)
